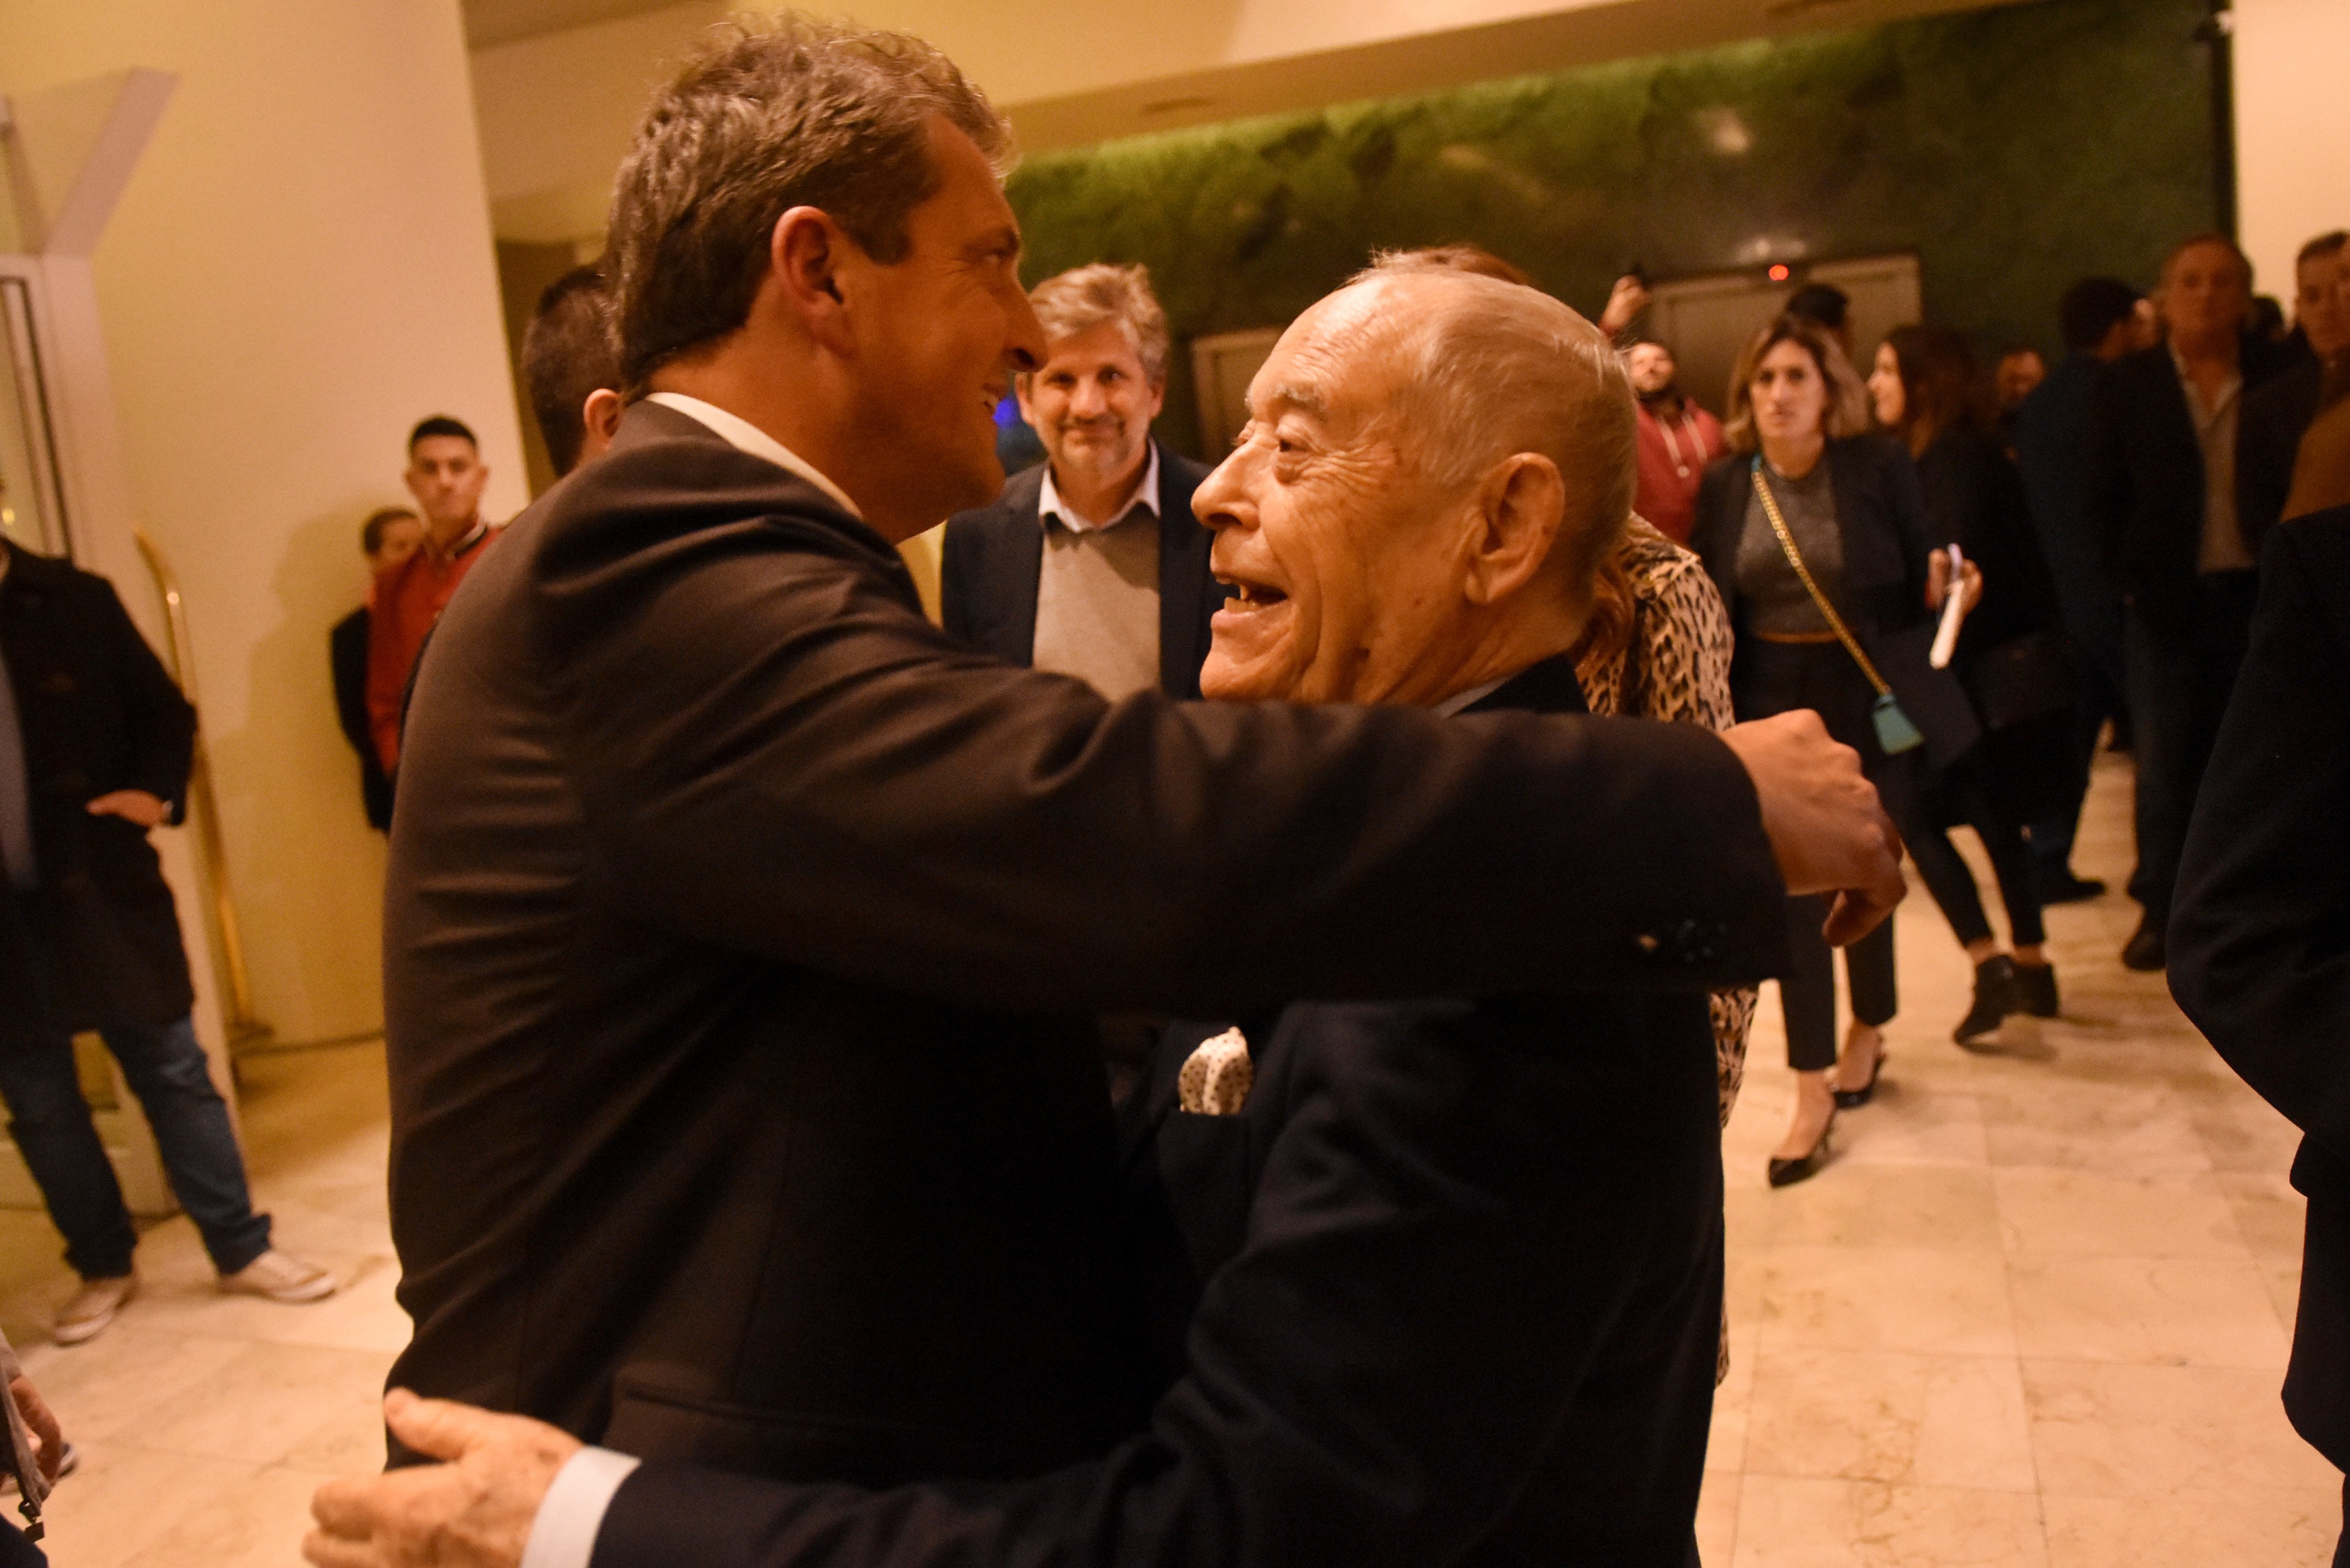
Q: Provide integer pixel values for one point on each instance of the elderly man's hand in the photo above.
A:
(132, 806)
(48, 1438)
(1826, 826)
(475, 1511)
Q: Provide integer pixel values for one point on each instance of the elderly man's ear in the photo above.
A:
(1521, 505)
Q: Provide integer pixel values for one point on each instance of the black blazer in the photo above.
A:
(346, 652)
(2260, 936)
(99, 713)
(1881, 514)
(2268, 443)
(2144, 495)
(1462, 1284)
(987, 574)
(741, 929)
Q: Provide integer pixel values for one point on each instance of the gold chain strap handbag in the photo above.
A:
(1895, 733)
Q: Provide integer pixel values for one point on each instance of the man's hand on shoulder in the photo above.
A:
(1827, 828)
(475, 1511)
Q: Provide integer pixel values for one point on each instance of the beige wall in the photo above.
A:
(2293, 130)
(301, 268)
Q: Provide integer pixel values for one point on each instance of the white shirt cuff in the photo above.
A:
(563, 1535)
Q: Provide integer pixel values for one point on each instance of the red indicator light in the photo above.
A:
(1778, 271)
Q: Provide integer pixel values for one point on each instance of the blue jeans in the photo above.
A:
(51, 1124)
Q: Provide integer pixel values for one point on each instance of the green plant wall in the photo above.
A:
(2014, 149)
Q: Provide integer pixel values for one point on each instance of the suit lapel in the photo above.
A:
(1013, 566)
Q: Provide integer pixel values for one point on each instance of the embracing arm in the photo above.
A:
(782, 757)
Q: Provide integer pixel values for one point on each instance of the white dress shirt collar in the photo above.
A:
(745, 436)
(1460, 701)
(1049, 505)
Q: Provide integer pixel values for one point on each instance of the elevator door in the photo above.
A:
(32, 508)
(1706, 321)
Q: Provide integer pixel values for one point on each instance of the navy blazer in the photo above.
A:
(2260, 938)
(987, 577)
(1462, 1280)
(1881, 508)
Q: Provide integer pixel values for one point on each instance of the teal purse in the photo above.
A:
(1895, 731)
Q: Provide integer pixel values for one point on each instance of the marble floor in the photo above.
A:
(2034, 1314)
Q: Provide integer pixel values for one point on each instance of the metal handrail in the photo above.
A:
(203, 816)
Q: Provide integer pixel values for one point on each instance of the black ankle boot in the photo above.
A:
(1995, 998)
(2035, 990)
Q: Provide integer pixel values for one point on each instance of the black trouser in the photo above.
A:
(1961, 795)
(2097, 698)
(2182, 668)
(1778, 677)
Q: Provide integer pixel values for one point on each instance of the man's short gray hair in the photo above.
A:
(766, 118)
(1091, 296)
(1502, 368)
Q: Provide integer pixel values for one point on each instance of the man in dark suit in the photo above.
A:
(1444, 1283)
(387, 538)
(2163, 497)
(96, 742)
(1091, 562)
(569, 371)
(2277, 414)
(2102, 318)
(741, 927)
(2261, 940)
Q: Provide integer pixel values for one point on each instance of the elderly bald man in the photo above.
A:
(1443, 1284)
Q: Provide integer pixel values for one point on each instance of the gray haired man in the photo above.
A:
(1090, 563)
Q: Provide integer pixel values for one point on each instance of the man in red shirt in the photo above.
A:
(1677, 438)
(446, 476)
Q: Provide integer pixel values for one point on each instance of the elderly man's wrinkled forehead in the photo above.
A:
(1344, 360)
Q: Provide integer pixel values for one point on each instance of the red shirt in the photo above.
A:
(1674, 451)
(402, 605)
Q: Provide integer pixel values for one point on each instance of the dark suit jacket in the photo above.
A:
(99, 713)
(2145, 492)
(740, 926)
(347, 650)
(1462, 1284)
(2268, 443)
(987, 574)
(1881, 514)
(2052, 450)
(2259, 937)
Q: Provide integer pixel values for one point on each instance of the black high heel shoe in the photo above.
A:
(1805, 1165)
(1852, 1099)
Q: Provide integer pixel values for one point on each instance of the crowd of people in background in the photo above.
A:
(2108, 514)
(1974, 578)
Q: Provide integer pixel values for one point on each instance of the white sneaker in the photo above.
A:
(282, 1277)
(93, 1307)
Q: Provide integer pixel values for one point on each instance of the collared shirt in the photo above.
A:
(2222, 546)
(1051, 508)
(16, 793)
(1462, 700)
(404, 604)
(1098, 589)
(744, 436)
